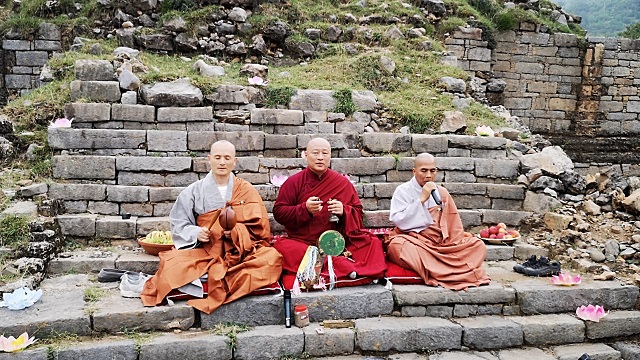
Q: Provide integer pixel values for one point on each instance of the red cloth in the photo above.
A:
(304, 229)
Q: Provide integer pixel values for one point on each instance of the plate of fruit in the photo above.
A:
(499, 234)
(156, 241)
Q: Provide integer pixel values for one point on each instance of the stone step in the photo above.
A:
(157, 201)
(62, 310)
(111, 227)
(278, 131)
(135, 259)
(177, 171)
(292, 343)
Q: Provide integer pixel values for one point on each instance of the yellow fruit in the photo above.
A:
(159, 237)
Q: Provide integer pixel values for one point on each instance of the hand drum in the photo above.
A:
(331, 242)
(227, 218)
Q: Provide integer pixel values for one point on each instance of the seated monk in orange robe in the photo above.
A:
(304, 205)
(232, 266)
(429, 238)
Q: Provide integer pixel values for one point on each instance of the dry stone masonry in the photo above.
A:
(580, 94)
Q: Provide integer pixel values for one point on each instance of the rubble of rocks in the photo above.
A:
(588, 222)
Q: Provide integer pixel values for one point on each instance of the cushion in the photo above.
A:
(399, 275)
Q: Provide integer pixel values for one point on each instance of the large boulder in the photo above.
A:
(277, 31)
(175, 93)
(551, 159)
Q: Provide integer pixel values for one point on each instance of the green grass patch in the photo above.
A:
(278, 95)
(94, 294)
(344, 102)
(14, 231)
(230, 330)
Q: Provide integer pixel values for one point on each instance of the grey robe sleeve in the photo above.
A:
(184, 228)
(407, 212)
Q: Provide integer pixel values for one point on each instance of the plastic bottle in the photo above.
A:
(301, 315)
(287, 308)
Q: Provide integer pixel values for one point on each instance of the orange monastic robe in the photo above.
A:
(440, 253)
(236, 266)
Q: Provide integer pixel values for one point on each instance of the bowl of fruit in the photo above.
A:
(499, 234)
(156, 241)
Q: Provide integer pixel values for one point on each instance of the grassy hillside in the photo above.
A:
(410, 95)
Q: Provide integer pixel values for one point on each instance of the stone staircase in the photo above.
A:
(135, 159)
(513, 317)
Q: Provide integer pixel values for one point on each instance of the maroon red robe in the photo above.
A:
(304, 229)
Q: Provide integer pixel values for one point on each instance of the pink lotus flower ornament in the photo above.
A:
(566, 279)
(278, 180)
(484, 131)
(61, 123)
(257, 81)
(321, 284)
(12, 344)
(591, 313)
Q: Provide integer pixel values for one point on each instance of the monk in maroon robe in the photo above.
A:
(304, 205)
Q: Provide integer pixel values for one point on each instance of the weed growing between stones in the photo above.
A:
(278, 96)
(231, 330)
(304, 355)
(344, 102)
(14, 232)
(94, 294)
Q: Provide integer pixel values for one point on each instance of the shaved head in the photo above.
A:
(424, 157)
(222, 160)
(424, 168)
(318, 142)
(223, 145)
(318, 155)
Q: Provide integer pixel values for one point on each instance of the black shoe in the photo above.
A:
(531, 261)
(112, 275)
(543, 268)
(585, 356)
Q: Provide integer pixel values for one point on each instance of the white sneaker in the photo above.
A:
(131, 285)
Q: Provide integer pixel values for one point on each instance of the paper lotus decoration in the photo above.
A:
(257, 81)
(303, 154)
(12, 344)
(321, 284)
(61, 123)
(591, 313)
(278, 180)
(20, 298)
(484, 131)
(566, 279)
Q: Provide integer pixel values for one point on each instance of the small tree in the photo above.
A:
(631, 31)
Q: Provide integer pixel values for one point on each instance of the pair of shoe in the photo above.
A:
(112, 275)
(132, 284)
(538, 267)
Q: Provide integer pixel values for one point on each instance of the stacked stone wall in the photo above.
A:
(581, 94)
(23, 58)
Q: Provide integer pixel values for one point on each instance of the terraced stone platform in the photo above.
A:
(489, 322)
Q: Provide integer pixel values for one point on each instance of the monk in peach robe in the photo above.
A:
(429, 238)
(231, 266)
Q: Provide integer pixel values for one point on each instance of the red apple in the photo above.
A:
(484, 233)
(502, 225)
(493, 230)
(492, 236)
(500, 236)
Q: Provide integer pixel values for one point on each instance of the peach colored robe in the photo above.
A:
(236, 266)
(441, 254)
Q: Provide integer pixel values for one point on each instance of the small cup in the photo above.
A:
(126, 216)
